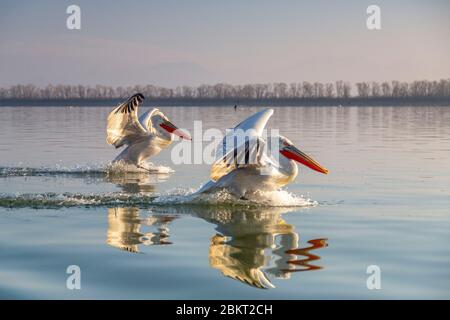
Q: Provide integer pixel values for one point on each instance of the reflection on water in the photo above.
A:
(255, 244)
(250, 246)
(124, 229)
(135, 182)
(389, 189)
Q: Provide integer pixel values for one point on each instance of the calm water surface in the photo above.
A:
(386, 202)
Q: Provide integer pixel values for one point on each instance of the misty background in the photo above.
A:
(189, 43)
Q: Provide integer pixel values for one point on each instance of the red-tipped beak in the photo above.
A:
(293, 153)
(171, 128)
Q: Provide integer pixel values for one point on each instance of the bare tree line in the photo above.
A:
(280, 90)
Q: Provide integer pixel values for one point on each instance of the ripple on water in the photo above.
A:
(280, 198)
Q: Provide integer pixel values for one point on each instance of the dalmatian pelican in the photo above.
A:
(143, 137)
(246, 162)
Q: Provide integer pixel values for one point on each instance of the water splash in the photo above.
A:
(277, 198)
(120, 173)
(151, 168)
(97, 169)
(177, 197)
(63, 200)
(51, 170)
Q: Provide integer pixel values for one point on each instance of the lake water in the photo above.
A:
(386, 202)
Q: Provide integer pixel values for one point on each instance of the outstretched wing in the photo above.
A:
(241, 154)
(257, 122)
(123, 124)
(242, 146)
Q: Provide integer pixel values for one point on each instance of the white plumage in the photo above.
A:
(246, 162)
(143, 137)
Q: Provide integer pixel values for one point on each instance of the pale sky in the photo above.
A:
(172, 43)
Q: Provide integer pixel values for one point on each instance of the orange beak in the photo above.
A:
(171, 128)
(293, 153)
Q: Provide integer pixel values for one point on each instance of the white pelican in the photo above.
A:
(144, 137)
(245, 167)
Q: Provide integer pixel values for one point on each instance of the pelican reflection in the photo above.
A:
(252, 246)
(135, 182)
(125, 229)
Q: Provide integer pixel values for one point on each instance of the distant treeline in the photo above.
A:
(222, 91)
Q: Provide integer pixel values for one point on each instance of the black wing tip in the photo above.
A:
(138, 96)
(131, 103)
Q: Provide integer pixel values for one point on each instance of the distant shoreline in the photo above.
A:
(204, 102)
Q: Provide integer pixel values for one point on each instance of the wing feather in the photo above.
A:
(249, 150)
(123, 124)
(249, 153)
(257, 122)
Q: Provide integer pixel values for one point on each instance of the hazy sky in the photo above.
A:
(191, 42)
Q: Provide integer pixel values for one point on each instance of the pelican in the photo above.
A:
(244, 168)
(143, 136)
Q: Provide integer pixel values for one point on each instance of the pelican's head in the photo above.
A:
(288, 150)
(166, 129)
